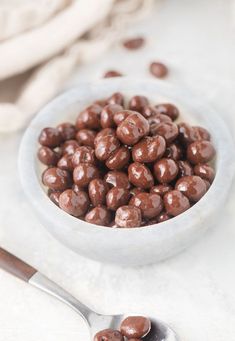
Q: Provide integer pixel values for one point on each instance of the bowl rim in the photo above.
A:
(221, 135)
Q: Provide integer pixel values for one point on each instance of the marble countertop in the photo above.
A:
(193, 292)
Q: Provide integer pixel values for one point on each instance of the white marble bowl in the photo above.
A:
(136, 246)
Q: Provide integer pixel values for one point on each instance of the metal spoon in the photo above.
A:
(95, 322)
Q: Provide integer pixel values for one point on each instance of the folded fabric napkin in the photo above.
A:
(42, 42)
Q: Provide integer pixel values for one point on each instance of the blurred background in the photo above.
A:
(47, 46)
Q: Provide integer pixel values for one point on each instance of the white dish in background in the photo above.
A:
(136, 246)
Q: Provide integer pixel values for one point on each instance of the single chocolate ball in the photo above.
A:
(107, 115)
(128, 216)
(193, 187)
(103, 133)
(84, 154)
(150, 204)
(50, 137)
(165, 170)
(75, 204)
(66, 163)
(116, 98)
(117, 179)
(132, 129)
(67, 131)
(175, 203)
(161, 189)
(135, 327)
(84, 173)
(112, 73)
(200, 152)
(118, 159)
(86, 137)
(168, 130)
(137, 103)
(69, 147)
(149, 149)
(109, 335)
(201, 133)
(98, 189)
(205, 171)
(155, 120)
(158, 70)
(56, 179)
(106, 146)
(168, 109)
(99, 216)
(89, 118)
(48, 156)
(140, 176)
(117, 197)
(120, 116)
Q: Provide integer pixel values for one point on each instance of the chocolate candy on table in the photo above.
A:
(117, 179)
(150, 204)
(193, 187)
(86, 137)
(158, 70)
(136, 167)
(134, 43)
(99, 216)
(50, 137)
(67, 131)
(140, 175)
(135, 327)
(107, 115)
(73, 203)
(128, 216)
(132, 129)
(112, 73)
(83, 154)
(175, 203)
(118, 159)
(84, 173)
(117, 197)
(165, 170)
(97, 190)
(48, 156)
(109, 335)
(56, 179)
(149, 149)
(138, 103)
(167, 109)
(200, 152)
(89, 118)
(205, 171)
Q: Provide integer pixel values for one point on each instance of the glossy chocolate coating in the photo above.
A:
(135, 327)
(48, 156)
(137, 103)
(54, 196)
(84, 154)
(132, 129)
(89, 118)
(67, 131)
(186, 133)
(117, 197)
(66, 163)
(193, 187)
(174, 151)
(158, 70)
(56, 179)
(120, 116)
(165, 170)
(69, 147)
(84, 173)
(168, 130)
(201, 133)
(185, 169)
(109, 335)
(150, 204)
(97, 190)
(155, 120)
(161, 189)
(134, 43)
(128, 216)
(205, 171)
(99, 216)
(117, 179)
(112, 73)
(106, 146)
(50, 137)
(107, 115)
(140, 176)
(116, 98)
(102, 133)
(168, 109)
(175, 203)
(149, 149)
(118, 159)
(200, 152)
(86, 137)
(75, 204)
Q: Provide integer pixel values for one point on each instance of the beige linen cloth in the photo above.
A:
(43, 41)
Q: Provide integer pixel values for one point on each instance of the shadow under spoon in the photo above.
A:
(95, 322)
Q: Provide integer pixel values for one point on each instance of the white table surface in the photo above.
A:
(194, 292)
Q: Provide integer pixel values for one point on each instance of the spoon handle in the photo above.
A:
(15, 266)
